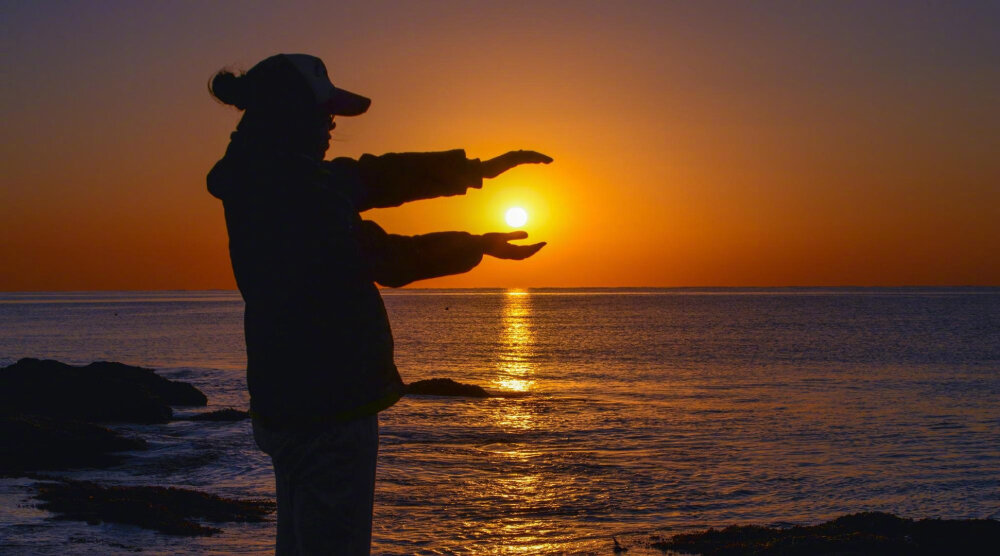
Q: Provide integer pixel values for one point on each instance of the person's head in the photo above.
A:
(289, 102)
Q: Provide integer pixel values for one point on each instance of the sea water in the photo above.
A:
(626, 412)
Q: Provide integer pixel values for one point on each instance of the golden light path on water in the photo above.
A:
(521, 488)
(516, 344)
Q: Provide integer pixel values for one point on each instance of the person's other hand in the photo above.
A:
(497, 245)
(500, 164)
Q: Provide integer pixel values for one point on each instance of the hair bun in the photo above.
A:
(230, 89)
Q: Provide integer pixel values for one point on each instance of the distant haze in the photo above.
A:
(695, 143)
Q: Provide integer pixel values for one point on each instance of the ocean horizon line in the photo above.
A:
(225, 295)
(546, 288)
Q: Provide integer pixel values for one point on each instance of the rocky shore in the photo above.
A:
(58, 417)
(169, 510)
(856, 534)
(54, 418)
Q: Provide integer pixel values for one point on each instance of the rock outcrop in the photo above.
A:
(101, 392)
(862, 533)
(445, 387)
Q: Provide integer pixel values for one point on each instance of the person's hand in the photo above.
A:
(498, 165)
(497, 245)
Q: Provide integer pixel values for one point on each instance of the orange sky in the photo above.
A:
(839, 143)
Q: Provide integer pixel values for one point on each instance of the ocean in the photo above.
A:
(628, 412)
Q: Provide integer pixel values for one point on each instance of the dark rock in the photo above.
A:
(445, 387)
(228, 414)
(101, 391)
(167, 510)
(32, 443)
(862, 533)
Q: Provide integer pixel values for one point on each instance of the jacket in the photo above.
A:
(319, 345)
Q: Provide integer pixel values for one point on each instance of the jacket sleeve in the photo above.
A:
(398, 260)
(396, 178)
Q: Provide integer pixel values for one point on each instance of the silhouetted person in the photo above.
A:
(319, 348)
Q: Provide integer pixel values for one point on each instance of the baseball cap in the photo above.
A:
(338, 102)
(311, 69)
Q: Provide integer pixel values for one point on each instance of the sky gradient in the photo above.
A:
(695, 144)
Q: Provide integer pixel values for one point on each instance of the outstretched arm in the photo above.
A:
(398, 260)
(396, 178)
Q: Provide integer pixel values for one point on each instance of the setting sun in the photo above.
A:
(516, 217)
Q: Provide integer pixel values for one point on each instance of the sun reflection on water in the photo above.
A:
(519, 491)
(516, 345)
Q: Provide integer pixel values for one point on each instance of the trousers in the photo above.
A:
(325, 486)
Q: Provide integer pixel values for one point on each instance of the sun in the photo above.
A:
(516, 217)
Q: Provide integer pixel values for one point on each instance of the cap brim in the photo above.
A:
(346, 103)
